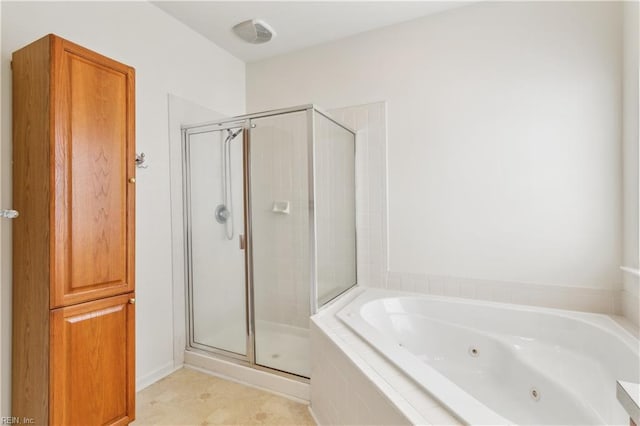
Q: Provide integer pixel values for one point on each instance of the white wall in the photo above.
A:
(4, 354)
(169, 58)
(504, 135)
(181, 111)
(631, 240)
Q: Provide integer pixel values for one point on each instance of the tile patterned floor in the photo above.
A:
(189, 397)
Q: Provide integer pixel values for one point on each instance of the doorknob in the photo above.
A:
(9, 214)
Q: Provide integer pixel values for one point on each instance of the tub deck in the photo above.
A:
(340, 332)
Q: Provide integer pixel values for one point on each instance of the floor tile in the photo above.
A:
(190, 397)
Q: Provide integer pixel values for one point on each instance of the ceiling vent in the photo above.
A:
(254, 31)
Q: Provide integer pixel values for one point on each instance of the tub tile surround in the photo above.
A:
(548, 296)
(630, 298)
(357, 385)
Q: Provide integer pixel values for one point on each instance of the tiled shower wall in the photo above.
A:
(372, 258)
(280, 219)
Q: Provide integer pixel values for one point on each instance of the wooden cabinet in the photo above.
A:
(93, 125)
(73, 243)
(99, 336)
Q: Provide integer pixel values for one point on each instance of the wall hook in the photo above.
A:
(140, 161)
(9, 214)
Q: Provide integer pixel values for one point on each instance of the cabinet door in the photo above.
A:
(92, 363)
(93, 157)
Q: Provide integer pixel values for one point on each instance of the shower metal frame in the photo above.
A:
(245, 122)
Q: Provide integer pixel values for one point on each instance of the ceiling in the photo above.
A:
(298, 24)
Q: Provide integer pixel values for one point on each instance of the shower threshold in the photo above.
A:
(279, 346)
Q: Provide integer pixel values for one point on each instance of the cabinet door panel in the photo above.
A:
(98, 189)
(92, 363)
(93, 242)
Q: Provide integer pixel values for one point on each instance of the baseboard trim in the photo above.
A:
(154, 376)
(314, 417)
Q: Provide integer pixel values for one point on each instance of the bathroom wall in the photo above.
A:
(169, 58)
(631, 241)
(3, 364)
(504, 137)
(181, 111)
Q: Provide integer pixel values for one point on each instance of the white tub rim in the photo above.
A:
(601, 321)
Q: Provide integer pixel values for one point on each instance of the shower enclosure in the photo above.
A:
(270, 232)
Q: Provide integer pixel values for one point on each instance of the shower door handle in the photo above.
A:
(243, 244)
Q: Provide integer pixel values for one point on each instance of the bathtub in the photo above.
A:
(493, 363)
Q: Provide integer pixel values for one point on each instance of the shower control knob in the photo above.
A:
(132, 180)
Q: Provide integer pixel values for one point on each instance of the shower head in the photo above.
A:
(231, 135)
(223, 211)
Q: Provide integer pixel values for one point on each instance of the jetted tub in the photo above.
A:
(493, 363)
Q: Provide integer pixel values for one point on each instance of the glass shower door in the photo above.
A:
(280, 228)
(335, 215)
(252, 300)
(214, 187)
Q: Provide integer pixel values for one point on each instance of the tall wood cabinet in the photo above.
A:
(73, 243)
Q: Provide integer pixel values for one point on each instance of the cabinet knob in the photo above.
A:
(132, 301)
(132, 180)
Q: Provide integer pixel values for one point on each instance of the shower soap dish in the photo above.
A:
(281, 207)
